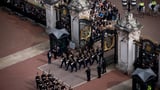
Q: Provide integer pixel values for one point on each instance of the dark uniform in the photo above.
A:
(81, 62)
(49, 54)
(43, 76)
(63, 61)
(99, 71)
(88, 72)
(88, 59)
(37, 78)
(68, 64)
(63, 87)
(104, 65)
(94, 57)
(73, 65)
(100, 55)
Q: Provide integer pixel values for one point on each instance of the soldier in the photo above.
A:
(40, 85)
(93, 56)
(43, 76)
(99, 70)
(104, 65)
(49, 54)
(100, 54)
(69, 61)
(88, 59)
(88, 73)
(37, 78)
(63, 61)
(81, 61)
(63, 87)
(56, 85)
(73, 65)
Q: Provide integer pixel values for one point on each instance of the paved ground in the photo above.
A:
(73, 79)
(16, 34)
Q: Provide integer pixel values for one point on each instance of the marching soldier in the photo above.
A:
(37, 80)
(69, 61)
(56, 86)
(73, 64)
(93, 56)
(43, 76)
(63, 61)
(88, 59)
(81, 61)
(68, 64)
(40, 85)
(99, 54)
(63, 87)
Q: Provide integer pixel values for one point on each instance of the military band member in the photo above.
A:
(68, 64)
(63, 61)
(43, 76)
(81, 61)
(69, 61)
(88, 59)
(63, 87)
(37, 80)
(99, 54)
(93, 56)
(73, 64)
(40, 85)
(56, 86)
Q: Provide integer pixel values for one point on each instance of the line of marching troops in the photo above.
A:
(49, 82)
(83, 58)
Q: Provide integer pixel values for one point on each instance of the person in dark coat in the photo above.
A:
(43, 76)
(99, 71)
(73, 65)
(88, 73)
(37, 78)
(63, 61)
(49, 55)
(104, 65)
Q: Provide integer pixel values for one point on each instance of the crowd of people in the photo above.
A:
(102, 14)
(49, 82)
(27, 9)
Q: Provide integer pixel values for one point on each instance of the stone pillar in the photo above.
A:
(126, 50)
(50, 16)
(128, 30)
(75, 29)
